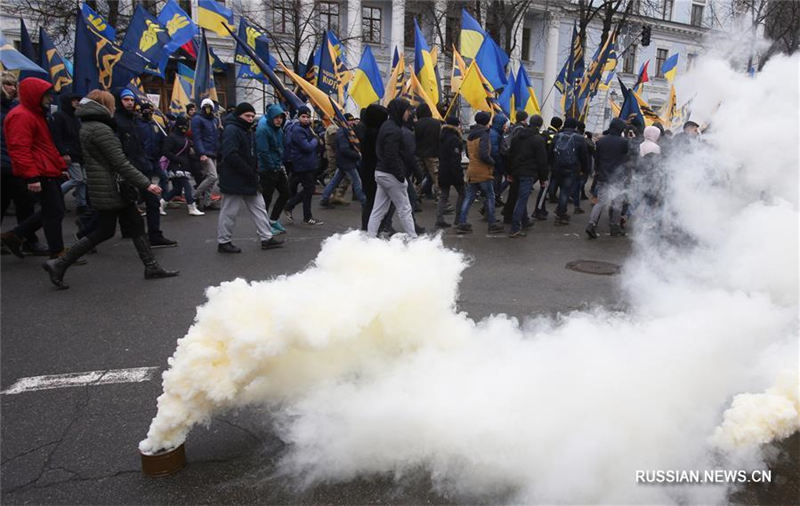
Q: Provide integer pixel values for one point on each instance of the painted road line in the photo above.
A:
(79, 379)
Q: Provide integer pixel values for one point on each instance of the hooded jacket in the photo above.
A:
(451, 147)
(269, 140)
(394, 151)
(426, 133)
(237, 174)
(528, 154)
(496, 135)
(611, 153)
(371, 121)
(27, 136)
(303, 146)
(479, 151)
(64, 127)
(205, 134)
(103, 158)
(130, 136)
(650, 143)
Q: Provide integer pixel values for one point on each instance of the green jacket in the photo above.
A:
(103, 158)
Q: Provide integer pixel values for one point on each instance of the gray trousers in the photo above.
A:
(209, 184)
(390, 191)
(231, 204)
(607, 195)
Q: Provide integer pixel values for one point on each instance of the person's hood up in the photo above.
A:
(498, 121)
(649, 145)
(450, 129)
(31, 91)
(65, 103)
(397, 108)
(274, 111)
(424, 111)
(652, 133)
(374, 116)
(616, 127)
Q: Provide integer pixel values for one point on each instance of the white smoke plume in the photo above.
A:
(384, 376)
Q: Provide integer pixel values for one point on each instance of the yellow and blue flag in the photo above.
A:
(424, 67)
(457, 74)
(180, 28)
(506, 97)
(181, 89)
(53, 62)
(203, 77)
(670, 67)
(327, 78)
(13, 60)
(148, 38)
(524, 96)
(394, 85)
(417, 94)
(259, 43)
(477, 44)
(213, 16)
(592, 78)
(367, 87)
(478, 92)
(97, 23)
(571, 74)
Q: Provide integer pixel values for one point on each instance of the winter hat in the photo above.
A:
(452, 120)
(242, 108)
(181, 121)
(303, 109)
(207, 102)
(482, 118)
(571, 123)
(126, 93)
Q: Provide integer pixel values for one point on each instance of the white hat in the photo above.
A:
(207, 102)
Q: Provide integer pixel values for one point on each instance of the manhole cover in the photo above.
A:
(594, 267)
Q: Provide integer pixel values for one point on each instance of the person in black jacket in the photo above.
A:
(64, 127)
(528, 156)
(133, 147)
(505, 150)
(570, 158)
(238, 181)
(176, 150)
(451, 172)
(610, 156)
(395, 160)
(371, 121)
(551, 189)
(426, 135)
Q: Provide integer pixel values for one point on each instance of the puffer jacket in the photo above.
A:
(496, 135)
(64, 127)
(451, 147)
(269, 140)
(479, 151)
(238, 169)
(394, 145)
(426, 133)
(304, 148)
(103, 158)
(30, 145)
(205, 134)
(528, 154)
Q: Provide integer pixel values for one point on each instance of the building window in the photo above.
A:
(329, 16)
(629, 64)
(666, 12)
(697, 15)
(690, 59)
(661, 57)
(526, 44)
(408, 29)
(282, 16)
(371, 24)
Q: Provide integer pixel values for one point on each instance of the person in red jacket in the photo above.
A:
(35, 159)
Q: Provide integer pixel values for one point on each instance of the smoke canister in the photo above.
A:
(164, 463)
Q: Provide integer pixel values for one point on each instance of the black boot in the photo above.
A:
(151, 268)
(56, 267)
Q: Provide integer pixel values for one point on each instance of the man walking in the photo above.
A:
(205, 134)
(528, 162)
(611, 153)
(271, 173)
(303, 146)
(570, 157)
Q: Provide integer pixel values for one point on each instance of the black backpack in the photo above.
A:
(565, 150)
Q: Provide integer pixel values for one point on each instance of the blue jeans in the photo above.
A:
(469, 198)
(575, 193)
(77, 180)
(520, 216)
(565, 182)
(352, 174)
(180, 185)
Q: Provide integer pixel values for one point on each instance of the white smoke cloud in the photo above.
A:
(374, 371)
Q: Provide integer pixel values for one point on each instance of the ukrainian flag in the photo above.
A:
(97, 23)
(524, 96)
(670, 67)
(477, 91)
(214, 16)
(472, 36)
(423, 65)
(478, 45)
(506, 98)
(457, 74)
(416, 94)
(367, 87)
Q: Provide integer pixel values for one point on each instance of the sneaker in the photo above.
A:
(561, 220)
(194, 211)
(326, 204)
(591, 231)
(496, 228)
(313, 221)
(271, 243)
(162, 207)
(518, 233)
(35, 249)
(277, 227)
(288, 214)
(578, 210)
(464, 228)
(228, 247)
(442, 224)
(162, 242)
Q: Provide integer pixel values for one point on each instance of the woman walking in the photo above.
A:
(108, 170)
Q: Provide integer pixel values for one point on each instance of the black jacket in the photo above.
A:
(346, 155)
(64, 128)
(132, 145)
(582, 151)
(528, 154)
(238, 175)
(371, 121)
(611, 153)
(451, 149)
(426, 133)
(173, 145)
(394, 151)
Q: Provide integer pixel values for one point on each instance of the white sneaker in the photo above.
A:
(193, 211)
(162, 207)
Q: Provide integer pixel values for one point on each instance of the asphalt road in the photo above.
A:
(79, 445)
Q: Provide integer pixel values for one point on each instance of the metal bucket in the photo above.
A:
(164, 463)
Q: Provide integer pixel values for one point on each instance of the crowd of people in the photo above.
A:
(121, 165)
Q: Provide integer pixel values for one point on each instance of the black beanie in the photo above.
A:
(482, 118)
(571, 123)
(303, 109)
(242, 108)
(452, 120)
